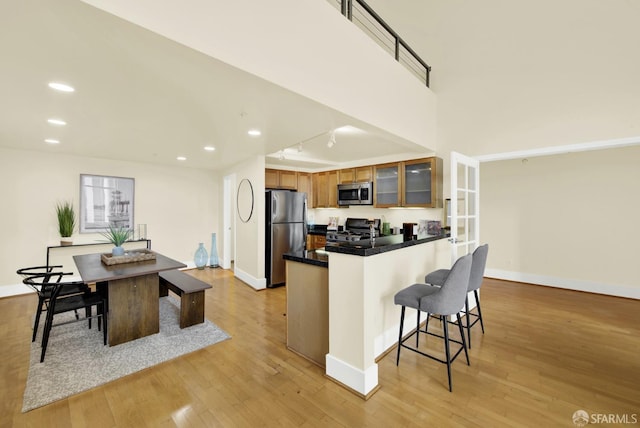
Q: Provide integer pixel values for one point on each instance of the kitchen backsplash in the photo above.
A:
(394, 216)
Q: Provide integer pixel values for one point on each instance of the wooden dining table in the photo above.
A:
(132, 291)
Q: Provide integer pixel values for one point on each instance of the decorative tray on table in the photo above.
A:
(128, 257)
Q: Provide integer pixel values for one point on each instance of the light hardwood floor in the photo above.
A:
(546, 353)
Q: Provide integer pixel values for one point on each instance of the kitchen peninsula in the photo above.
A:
(361, 318)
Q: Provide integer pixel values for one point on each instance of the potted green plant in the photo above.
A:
(66, 221)
(117, 236)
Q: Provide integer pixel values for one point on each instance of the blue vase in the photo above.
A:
(213, 257)
(201, 257)
(117, 251)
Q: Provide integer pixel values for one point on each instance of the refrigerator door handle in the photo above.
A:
(305, 231)
(273, 207)
(304, 236)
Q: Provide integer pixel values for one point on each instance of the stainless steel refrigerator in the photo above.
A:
(286, 231)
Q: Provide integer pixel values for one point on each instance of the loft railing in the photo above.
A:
(364, 17)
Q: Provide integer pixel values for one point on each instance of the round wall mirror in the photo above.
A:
(244, 200)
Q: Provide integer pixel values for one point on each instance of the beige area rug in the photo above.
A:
(76, 359)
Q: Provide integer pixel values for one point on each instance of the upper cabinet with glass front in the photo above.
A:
(422, 183)
(412, 183)
(386, 187)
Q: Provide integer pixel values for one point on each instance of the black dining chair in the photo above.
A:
(59, 304)
(48, 274)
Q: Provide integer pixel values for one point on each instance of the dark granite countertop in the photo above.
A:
(317, 232)
(382, 245)
(313, 257)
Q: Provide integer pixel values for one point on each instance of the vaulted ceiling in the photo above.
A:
(141, 97)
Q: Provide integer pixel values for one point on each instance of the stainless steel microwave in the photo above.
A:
(355, 194)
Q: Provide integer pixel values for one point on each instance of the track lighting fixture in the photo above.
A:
(332, 139)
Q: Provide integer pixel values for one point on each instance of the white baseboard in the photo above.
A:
(360, 381)
(19, 289)
(190, 265)
(224, 264)
(14, 290)
(569, 284)
(257, 283)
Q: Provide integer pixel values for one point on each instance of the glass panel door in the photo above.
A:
(465, 201)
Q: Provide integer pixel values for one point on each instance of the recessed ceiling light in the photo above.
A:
(61, 87)
(52, 141)
(58, 122)
(209, 148)
(254, 132)
(181, 158)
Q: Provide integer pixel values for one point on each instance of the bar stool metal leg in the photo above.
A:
(418, 328)
(464, 344)
(467, 316)
(475, 293)
(400, 335)
(445, 329)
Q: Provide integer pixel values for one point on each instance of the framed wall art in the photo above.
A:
(105, 201)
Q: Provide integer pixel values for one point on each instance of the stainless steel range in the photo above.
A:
(355, 230)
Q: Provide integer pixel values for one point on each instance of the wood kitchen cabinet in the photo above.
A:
(320, 190)
(412, 183)
(271, 179)
(325, 189)
(356, 175)
(280, 179)
(422, 183)
(316, 241)
(305, 185)
(387, 185)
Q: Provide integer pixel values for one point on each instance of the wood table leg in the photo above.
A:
(191, 309)
(134, 309)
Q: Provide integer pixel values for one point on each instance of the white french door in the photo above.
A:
(465, 205)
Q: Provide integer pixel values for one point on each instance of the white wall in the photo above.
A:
(566, 220)
(249, 236)
(179, 205)
(520, 75)
(306, 46)
(515, 76)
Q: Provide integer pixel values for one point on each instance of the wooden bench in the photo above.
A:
(191, 292)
